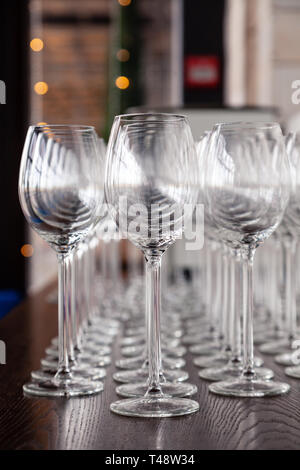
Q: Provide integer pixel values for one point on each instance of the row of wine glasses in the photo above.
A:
(286, 339)
(245, 189)
(149, 162)
(149, 182)
(61, 189)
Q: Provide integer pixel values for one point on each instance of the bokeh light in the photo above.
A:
(41, 88)
(27, 250)
(36, 44)
(124, 3)
(123, 55)
(122, 82)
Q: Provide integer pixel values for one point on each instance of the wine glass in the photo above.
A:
(247, 179)
(225, 359)
(59, 193)
(148, 185)
(86, 359)
(290, 233)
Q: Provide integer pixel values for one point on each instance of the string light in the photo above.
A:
(122, 82)
(27, 250)
(36, 44)
(123, 55)
(41, 88)
(124, 3)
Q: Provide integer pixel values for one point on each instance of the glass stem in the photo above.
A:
(153, 299)
(74, 304)
(63, 371)
(208, 301)
(217, 301)
(87, 288)
(289, 294)
(225, 306)
(71, 354)
(80, 301)
(236, 357)
(247, 308)
(147, 324)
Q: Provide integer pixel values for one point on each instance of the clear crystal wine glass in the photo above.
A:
(288, 234)
(247, 189)
(87, 359)
(222, 357)
(59, 195)
(148, 185)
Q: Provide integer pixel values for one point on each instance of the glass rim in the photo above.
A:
(165, 117)
(74, 127)
(247, 125)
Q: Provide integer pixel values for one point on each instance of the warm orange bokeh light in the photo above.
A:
(41, 124)
(124, 3)
(122, 82)
(41, 88)
(123, 55)
(36, 44)
(27, 250)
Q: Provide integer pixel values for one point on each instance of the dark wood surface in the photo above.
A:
(87, 423)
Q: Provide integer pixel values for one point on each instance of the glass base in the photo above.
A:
(154, 407)
(66, 389)
(286, 359)
(86, 352)
(262, 338)
(177, 351)
(133, 351)
(95, 340)
(101, 332)
(137, 363)
(141, 375)
(217, 360)
(78, 373)
(172, 331)
(220, 360)
(135, 331)
(275, 347)
(106, 322)
(293, 372)
(249, 388)
(179, 389)
(51, 363)
(133, 340)
(85, 345)
(199, 338)
(230, 372)
(208, 349)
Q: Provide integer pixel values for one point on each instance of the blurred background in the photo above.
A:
(69, 61)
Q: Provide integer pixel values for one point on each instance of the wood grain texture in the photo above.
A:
(87, 423)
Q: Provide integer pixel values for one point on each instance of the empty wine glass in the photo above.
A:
(290, 233)
(148, 185)
(59, 194)
(246, 191)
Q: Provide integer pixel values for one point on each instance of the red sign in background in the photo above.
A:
(201, 71)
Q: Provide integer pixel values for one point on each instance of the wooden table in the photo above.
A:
(87, 423)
